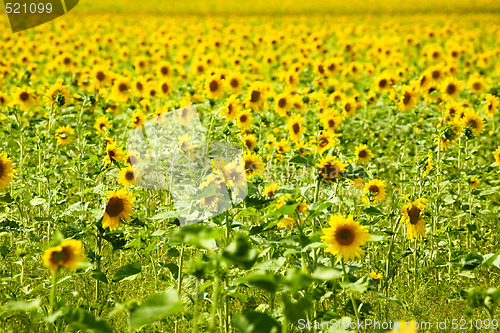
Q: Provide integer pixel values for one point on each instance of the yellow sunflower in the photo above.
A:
(24, 97)
(113, 153)
(244, 119)
(63, 135)
(409, 98)
(103, 124)
(270, 190)
(68, 254)
(214, 86)
(255, 96)
(232, 108)
(413, 216)
(138, 118)
(451, 88)
(118, 206)
(128, 176)
(121, 89)
(249, 141)
(331, 120)
(496, 154)
(363, 154)
(473, 121)
(6, 171)
(325, 141)
(253, 164)
(331, 168)
(375, 189)
(296, 127)
(491, 105)
(345, 237)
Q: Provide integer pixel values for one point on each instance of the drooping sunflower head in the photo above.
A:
(345, 237)
(413, 216)
(63, 135)
(363, 154)
(68, 254)
(375, 189)
(6, 171)
(118, 206)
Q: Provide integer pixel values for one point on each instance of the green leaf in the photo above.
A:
(285, 210)
(79, 319)
(37, 201)
(5, 198)
(373, 211)
(155, 308)
(296, 310)
(197, 234)
(100, 276)
(256, 322)
(360, 286)
(492, 260)
(265, 281)
(22, 305)
(165, 215)
(307, 160)
(327, 274)
(127, 272)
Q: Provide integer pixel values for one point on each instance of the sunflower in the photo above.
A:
(118, 205)
(473, 121)
(214, 86)
(363, 154)
(4, 99)
(68, 254)
(496, 154)
(490, 106)
(63, 135)
(253, 164)
(427, 167)
(121, 89)
(255, 96)
(6, 171)
(58, 89)
(296, 127)
(24, 97)
(349, 107)
(375, 189)
(331, 168)
(128, 176)
(383, 83)
(138, 118)
(408, 99)
(232, 108)
(413, 216)
(331, 120)
(234, 174)
(234, 81)
(185, 142)
(473, 183)
(270, 190)
(113, 153)
(325, 141)
(100, 76)
(244, 119)
(451, 88)
(345, 237)
(477, 84)
(139, 86)
(249, 141)
(283, 104)
(282, 146)
(164, 69)
(132, 157)
(165, 88)
(286, 222)
(103, 124)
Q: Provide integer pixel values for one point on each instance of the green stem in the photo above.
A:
(346, 279)
(179, 283)
(53, 297)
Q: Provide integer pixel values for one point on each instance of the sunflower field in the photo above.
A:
(370, 149)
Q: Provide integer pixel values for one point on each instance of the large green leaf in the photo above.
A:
(79, 319)
(256, 322)
(127, 272)
(155, 308)
(22, 305)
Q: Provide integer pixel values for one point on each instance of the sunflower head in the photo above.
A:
(68, 254)
(6, 171)
(363, 154)
(413, 216)
(118, 206)
(345, 237)
(375, 189)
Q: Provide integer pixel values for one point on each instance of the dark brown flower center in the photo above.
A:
(114, 207)
(296, 128)
(374, 189)
(100, 76)
(129, 175)
(1, 169)
(255, 96)
(436, 74)
(24, 96)
(414, 214)
(234, 83)
(450, 89)
(213, 85)
(406, 98)
(122, 87)
(282, 102)
(344, 236)
(347, 107)
(382, 83)
(243, 118)
(476, 85)
(362, 153)
(330, 171)
(164, 70)
(165, 88)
